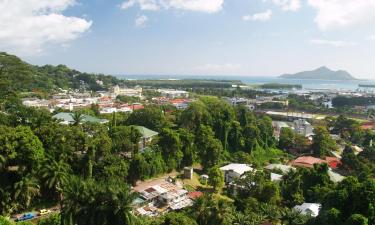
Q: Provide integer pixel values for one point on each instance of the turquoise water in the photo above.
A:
(306, 84)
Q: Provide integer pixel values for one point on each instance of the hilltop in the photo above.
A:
(18, 76)
(322, 73)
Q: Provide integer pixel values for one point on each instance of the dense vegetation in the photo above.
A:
(342, 101)
(280, 86)
(17, 76)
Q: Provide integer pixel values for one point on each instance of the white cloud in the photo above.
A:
(207, 6)
(334, 43)
(263, 16)
(288, 5)
(218, 68)
(28, 26)
(371, 37)
(127, 4)
(141, 21)
(342, 13)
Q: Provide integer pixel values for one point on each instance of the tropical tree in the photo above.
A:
(77, 117)
(216, 178)
(55, 175)
(26, 190)
(322, 142)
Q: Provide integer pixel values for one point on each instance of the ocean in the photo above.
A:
(351, 85)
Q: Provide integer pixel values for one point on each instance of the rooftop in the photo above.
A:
(238, 168)
(68, 118)
(146, 133)
(309, 209)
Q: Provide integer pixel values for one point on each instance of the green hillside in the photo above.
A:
(18, 76)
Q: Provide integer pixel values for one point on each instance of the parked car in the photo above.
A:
(26, 216)
(43, 212)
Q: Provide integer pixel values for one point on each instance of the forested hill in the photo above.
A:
(18, 76)
(322, 73)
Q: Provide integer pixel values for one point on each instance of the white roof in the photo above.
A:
(335, 177)
(281, 167)
(276, 177)
(238, 168)
(309, 209)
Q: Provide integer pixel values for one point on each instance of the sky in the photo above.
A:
(192, 37)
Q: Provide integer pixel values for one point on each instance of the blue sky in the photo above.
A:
(192, 37)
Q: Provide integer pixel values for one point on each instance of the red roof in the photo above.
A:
(195, 194)
(136, 107)
(333, 162)
(307, 161)
(368, 126)
(179, 100)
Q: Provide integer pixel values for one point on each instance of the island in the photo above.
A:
(322, 73)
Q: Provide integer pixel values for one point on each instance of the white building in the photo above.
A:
(132, 92)
(170, 93)
(312, 209)
(303, 127)
(234, 170)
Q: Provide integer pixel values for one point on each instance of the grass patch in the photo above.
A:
(262, 156)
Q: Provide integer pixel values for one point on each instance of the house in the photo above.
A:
(170, 93)
(67, 118)
(278, 126)
(234, 170)
(161, 198)
(303, 127)
(284, 168)
(147, 136)
(333, 162)
(312, 209)
(276, 177)
(307, 161)
(335, 177)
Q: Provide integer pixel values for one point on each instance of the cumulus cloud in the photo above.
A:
(141, 21)
(27, 26)
(207, 6)
(263, 16)
(288, 5)
(342, 13)
(335, 43)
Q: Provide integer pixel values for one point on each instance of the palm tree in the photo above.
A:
(97, 202)
(135, 138)
(25, 190)
(55, 174)
(293, 217)
(77, 117)
(241, 219)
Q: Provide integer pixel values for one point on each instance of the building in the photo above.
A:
(161, 198)
(283, 168)
(276, 177)
(278, 126)
(132, 92)
(333, 162)
(147, 136)
(303, 127)
(312, 209)
(170, 93)
(309, 161)
(234, 170)
(67, 118)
